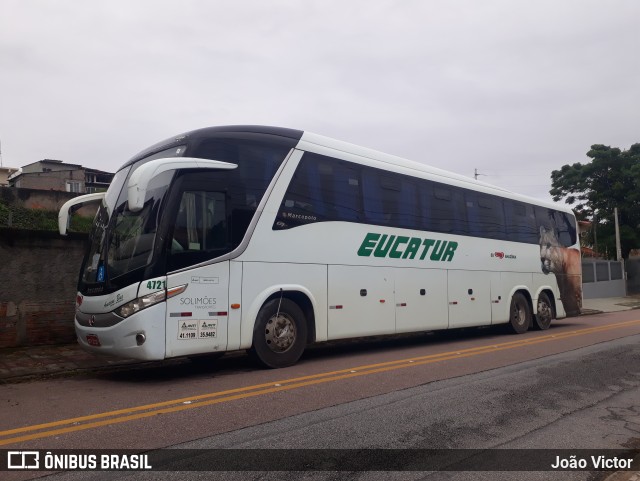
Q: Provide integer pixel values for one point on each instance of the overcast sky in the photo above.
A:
(513, 88)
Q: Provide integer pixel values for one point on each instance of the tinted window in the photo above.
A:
(485, 215)
(257, 161)
(199, 220)
(211, 210)
(409, 213)
(327, 189)
(200, 223)
(446, 212)
(566, 227)
(322, 189)
(521, 222)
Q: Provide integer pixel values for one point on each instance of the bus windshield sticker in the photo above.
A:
(100, 277)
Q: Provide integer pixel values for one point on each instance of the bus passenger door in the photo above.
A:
(421, 299)
(361, 301)
(197, 317)
(469, 298)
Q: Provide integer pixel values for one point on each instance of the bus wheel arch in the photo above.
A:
(520, 312)
(545, 310)
(282, 329)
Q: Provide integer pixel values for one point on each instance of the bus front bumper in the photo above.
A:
(141, 336)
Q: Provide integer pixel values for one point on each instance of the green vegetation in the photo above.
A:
(611, 179)
(35, 219)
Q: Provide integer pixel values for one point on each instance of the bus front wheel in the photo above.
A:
(280, 333)
(519, 314)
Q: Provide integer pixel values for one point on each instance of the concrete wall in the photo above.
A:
(633, 276)
(50, 180)
(38, 278)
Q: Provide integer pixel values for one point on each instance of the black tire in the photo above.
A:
(545, 313)
(280, 334)
(519, 314)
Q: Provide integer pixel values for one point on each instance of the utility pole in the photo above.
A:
(618, 248)
(595, 234)
(476, 174)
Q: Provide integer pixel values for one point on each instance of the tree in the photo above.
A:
(611, 179)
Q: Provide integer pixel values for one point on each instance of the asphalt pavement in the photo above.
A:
(28, 363)
(24, 363)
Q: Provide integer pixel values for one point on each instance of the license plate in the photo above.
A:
(93, 340)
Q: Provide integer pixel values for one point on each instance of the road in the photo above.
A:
(574, 386)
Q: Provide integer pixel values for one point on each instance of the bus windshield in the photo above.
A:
(133, 233)
(93, 269)
(122, 241)
(189, 216)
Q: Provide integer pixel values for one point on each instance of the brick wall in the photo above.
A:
(38, 278)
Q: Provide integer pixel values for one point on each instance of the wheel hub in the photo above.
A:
(280, 333)
(519, 314)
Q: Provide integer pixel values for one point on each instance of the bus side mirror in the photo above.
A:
(63, 215)
(142, 176)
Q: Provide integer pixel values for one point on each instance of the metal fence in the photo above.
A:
(602, 279)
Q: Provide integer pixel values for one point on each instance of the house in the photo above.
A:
(49, 174)
(5, 173)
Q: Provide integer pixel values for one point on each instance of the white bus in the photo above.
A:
(269, 239)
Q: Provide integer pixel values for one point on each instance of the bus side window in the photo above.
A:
(520, 222)
(372, 197)
(343, 192)
(200, 229)
(409, 215)
(303, 200)
(322, 189)
(566, 228)
(183, 233)
(448, 210)
(485, 214)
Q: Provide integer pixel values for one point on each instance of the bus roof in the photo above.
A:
(195, 135)
(312, 142)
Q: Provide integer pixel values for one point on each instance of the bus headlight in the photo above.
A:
(140, 303)
(149, 300)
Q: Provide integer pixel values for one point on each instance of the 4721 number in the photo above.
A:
(156, 285)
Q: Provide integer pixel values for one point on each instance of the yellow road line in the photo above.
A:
(192, 402)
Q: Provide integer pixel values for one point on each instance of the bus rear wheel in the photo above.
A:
(519, 314)
(280, 334)
(545, 312)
